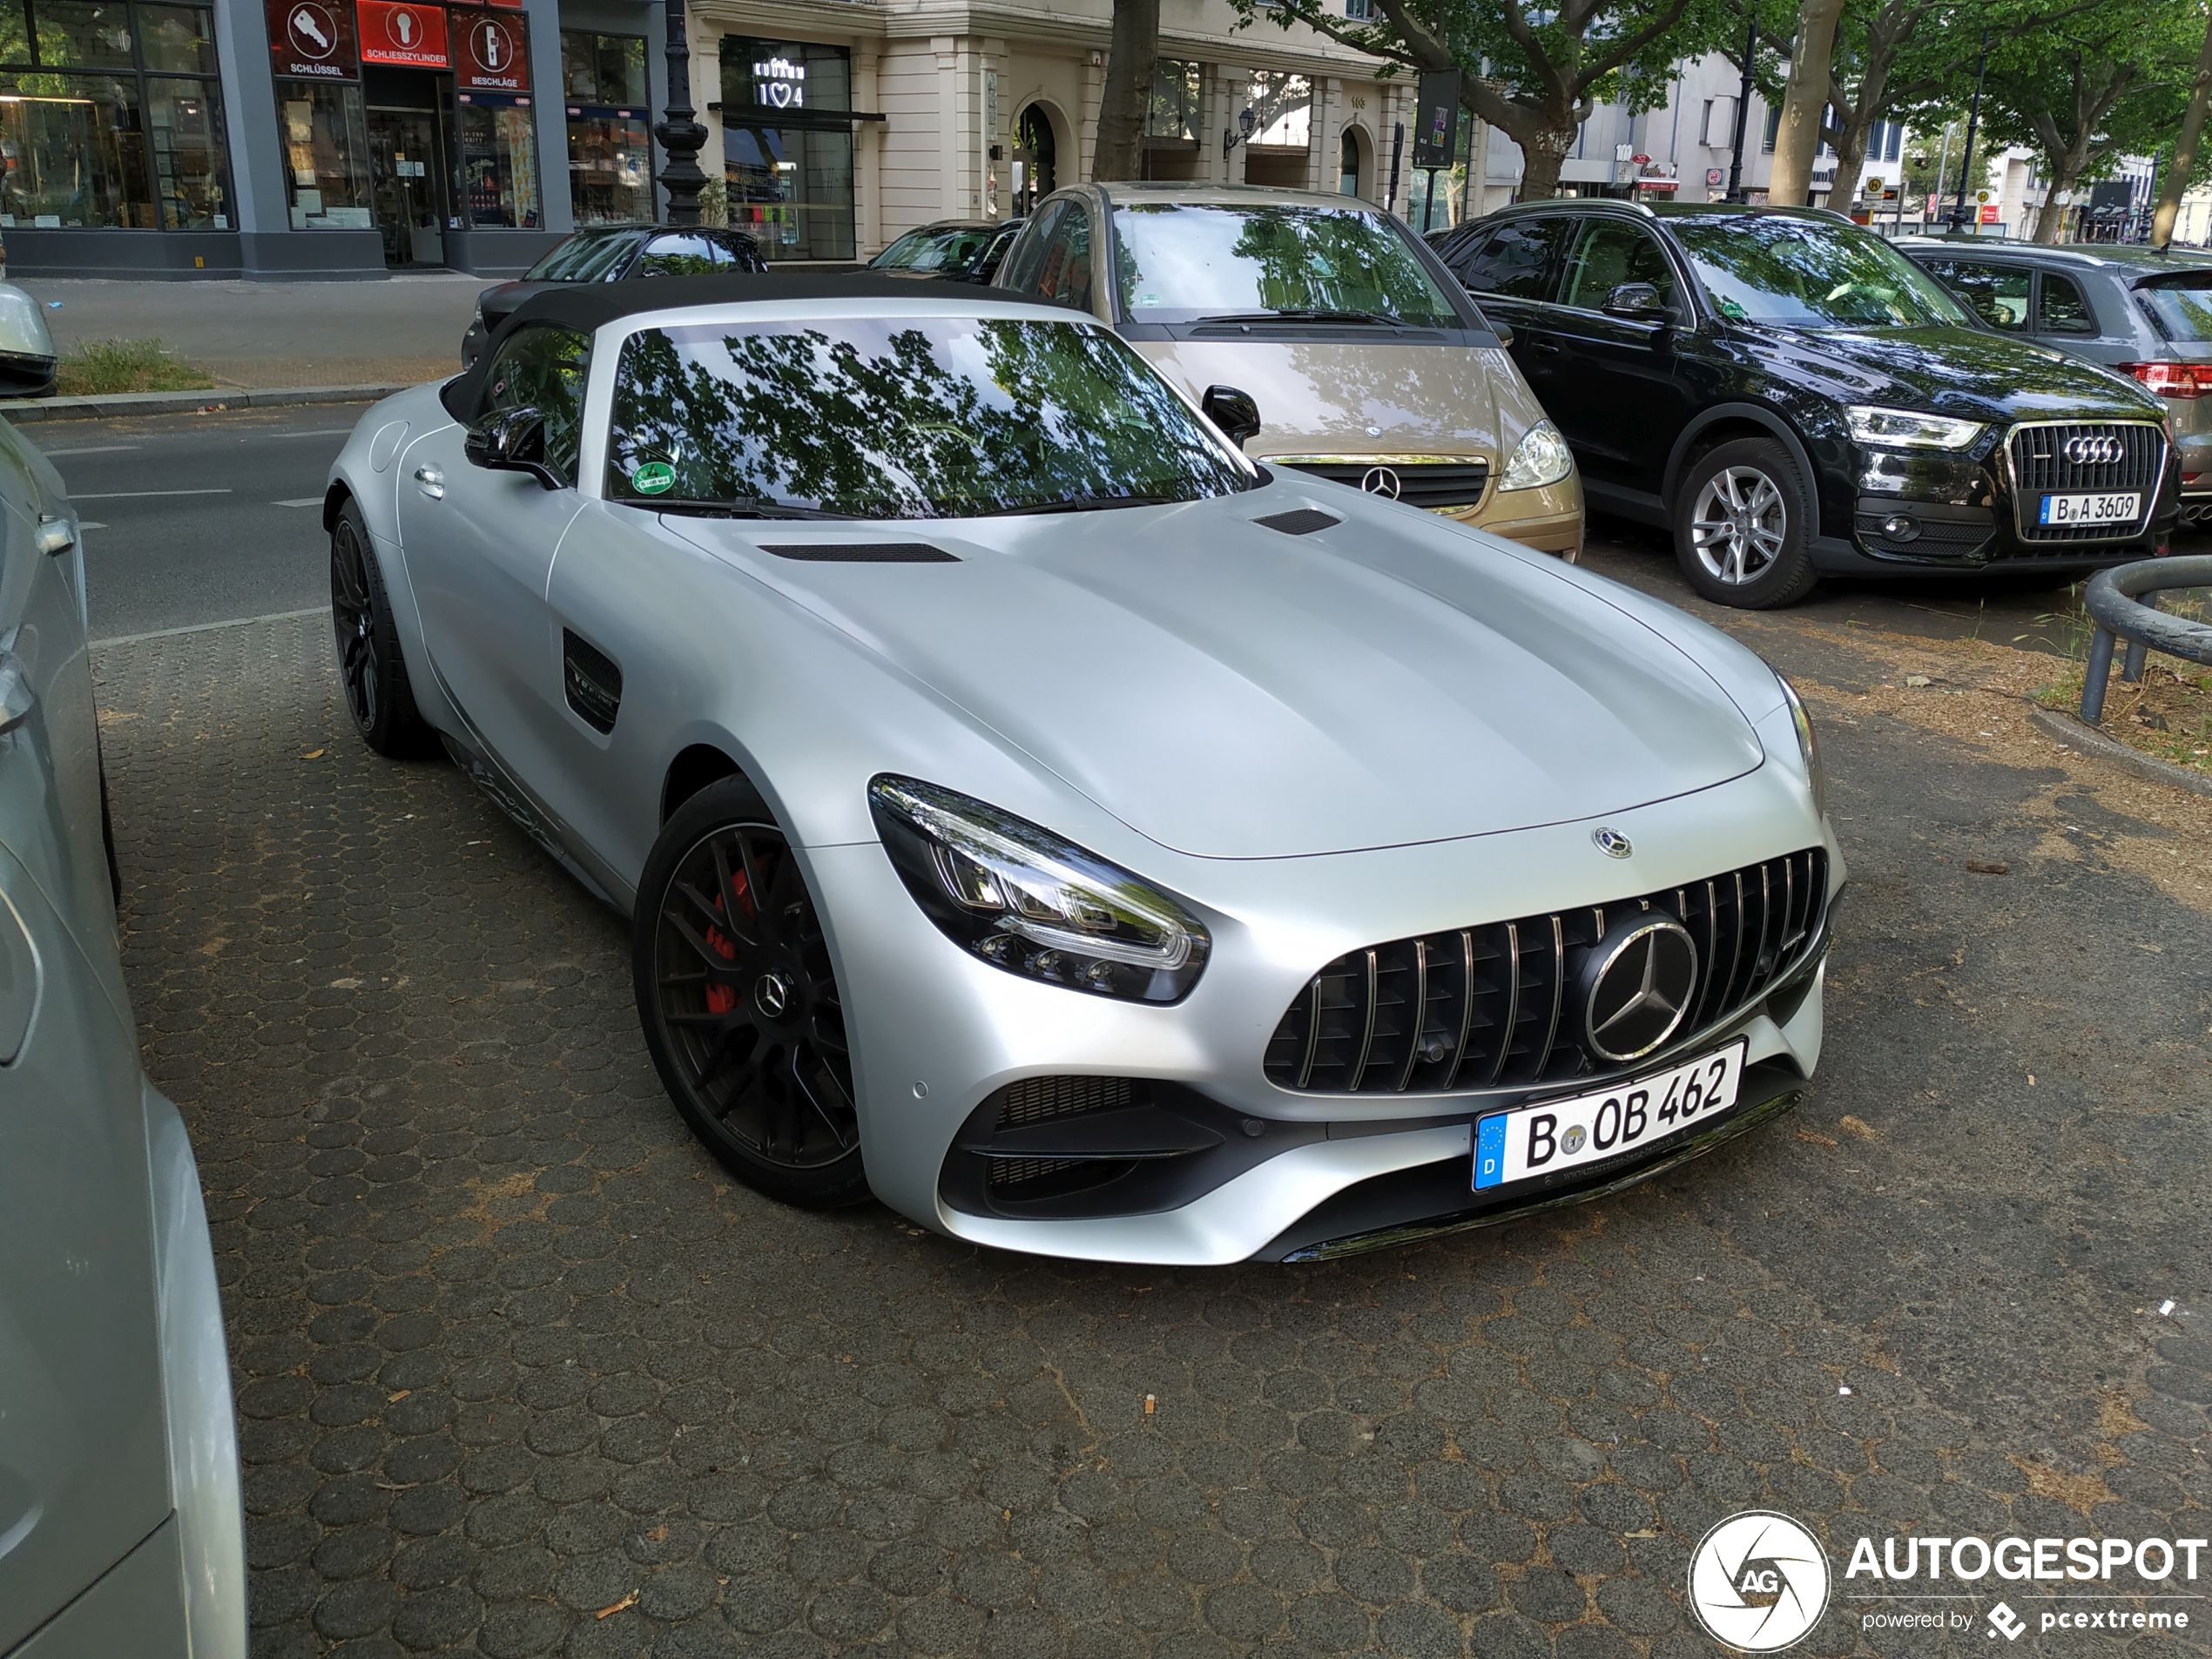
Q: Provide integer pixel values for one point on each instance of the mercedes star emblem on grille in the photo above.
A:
(1612, 843)
(1641, 978)
(2095, 451)
(1380, 480)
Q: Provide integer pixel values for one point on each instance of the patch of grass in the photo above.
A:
(128, 365)
(2168, 715)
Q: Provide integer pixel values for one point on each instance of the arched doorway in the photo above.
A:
(1355, 177)
(1037, 151)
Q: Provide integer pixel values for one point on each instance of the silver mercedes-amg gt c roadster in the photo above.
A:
(1035, 813)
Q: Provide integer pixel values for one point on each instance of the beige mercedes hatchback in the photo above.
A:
(1366, 361)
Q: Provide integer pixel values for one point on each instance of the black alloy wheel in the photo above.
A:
(371, 671)
(739, 1003)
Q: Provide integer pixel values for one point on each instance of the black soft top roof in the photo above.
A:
(591, 305)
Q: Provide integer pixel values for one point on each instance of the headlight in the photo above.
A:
(1906, 429)
(1025, 900)
(1540, 457)
(1808, 746)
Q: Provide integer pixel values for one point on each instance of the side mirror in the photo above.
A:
(27, 358)
(1637, 300)
(1233, 411)
(511, 440)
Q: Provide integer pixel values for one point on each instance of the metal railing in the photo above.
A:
(2116, 603)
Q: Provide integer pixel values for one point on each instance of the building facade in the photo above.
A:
(353, 138)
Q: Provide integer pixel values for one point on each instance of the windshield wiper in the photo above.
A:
(736, 507)
(1318, 313)
(1081, 504)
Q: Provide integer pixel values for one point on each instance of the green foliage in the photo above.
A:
(127, 365)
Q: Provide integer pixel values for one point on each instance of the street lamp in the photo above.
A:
(681, 136)
(1246, 121)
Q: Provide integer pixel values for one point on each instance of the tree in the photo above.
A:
(1804, 105)
(2181, 166)
(1533, 72)
(1131, 57)
(2098, 86)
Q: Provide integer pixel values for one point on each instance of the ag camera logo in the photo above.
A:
(1758, 1581)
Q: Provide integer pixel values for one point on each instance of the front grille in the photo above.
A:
(1040, 1100)
(1421, 483)
(1491, 1007)
(2039, 465)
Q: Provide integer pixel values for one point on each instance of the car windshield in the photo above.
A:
(583, 258)
(1809, 273)
(907, 417)
(933, 250)
(1183, 261)
(2182, 304)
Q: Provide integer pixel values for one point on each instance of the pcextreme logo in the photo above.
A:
(1758, 1581)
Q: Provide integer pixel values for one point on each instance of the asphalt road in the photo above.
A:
(210, 518)
(198, 518)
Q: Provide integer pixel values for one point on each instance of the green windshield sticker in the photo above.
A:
(654, 478)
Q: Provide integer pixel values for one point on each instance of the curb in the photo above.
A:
(107, 405)
(2072, 733)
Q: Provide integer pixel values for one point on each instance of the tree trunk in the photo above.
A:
(1851, 158)
(1130, 59)
(1804, 101)
(2066, 169)
(2184, 160)
(1544, 145)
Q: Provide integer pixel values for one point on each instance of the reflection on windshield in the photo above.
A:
(1804, 273)
(582, 259)
(1183, 260)
(932, 250)
(939, 417)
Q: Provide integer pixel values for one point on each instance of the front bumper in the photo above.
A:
(938, 1034)
(1548, 519)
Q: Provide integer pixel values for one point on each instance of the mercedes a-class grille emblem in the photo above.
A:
(1612, 843)
(1641, 978)
(1380, 480)
(2095, 451)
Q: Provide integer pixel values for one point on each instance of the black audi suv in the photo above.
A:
(1791, 397)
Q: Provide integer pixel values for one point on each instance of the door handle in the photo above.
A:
(1548, 347)
(431, 482)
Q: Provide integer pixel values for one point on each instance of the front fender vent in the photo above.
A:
(862, 552)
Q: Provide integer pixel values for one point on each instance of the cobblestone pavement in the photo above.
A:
(519, 1371)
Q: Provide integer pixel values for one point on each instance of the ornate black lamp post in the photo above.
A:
(681, 136)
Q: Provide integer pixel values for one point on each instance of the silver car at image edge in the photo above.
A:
(121, 1534)
(1034, 812)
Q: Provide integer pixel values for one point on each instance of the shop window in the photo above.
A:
(1177, 105)
(325, 143)
(184, 119)
(138, 146)
(610, 142)
(84, 34)
(499, 162)
(787, 146)
(76, 149)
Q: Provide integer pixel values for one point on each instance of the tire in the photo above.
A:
(745, 1024)
(372, 672)
(1743, 521)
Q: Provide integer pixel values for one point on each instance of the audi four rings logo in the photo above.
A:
(1380, 480)
(2094, 452)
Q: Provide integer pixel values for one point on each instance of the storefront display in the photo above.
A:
(610, 153)
(325, 140)
(118, 149)
(499, 161)
(787, 146)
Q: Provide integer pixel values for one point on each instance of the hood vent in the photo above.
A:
(1299, 521)
(862, 552)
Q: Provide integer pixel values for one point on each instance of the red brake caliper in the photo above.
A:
(723, 999)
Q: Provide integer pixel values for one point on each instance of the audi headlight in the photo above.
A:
(1808, 746)
(1023, 900)
(1540, 457)
(1909, 429)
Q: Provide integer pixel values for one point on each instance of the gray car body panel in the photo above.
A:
(116, 1425)
(1194, 711)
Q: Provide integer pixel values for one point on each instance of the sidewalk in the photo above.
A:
(266, 334)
